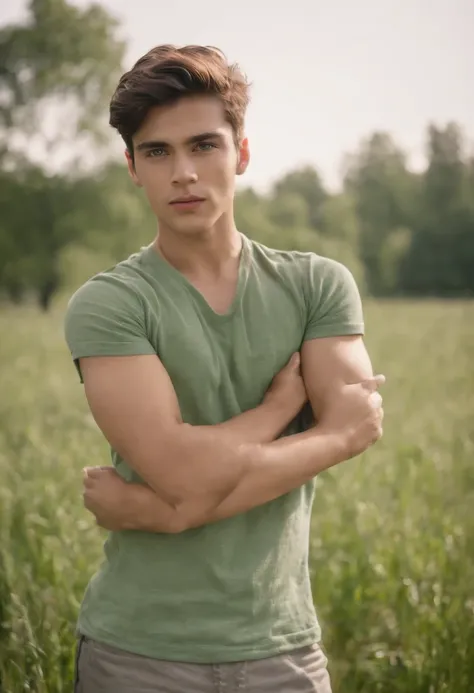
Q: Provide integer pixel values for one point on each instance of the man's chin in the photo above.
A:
(193, 227)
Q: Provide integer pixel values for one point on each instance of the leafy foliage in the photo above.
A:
(62, 194)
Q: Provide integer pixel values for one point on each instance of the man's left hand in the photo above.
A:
(105, 496)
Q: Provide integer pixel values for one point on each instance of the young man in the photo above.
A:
(190, 352)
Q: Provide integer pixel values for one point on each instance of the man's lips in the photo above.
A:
(186, 200)
(187, 204)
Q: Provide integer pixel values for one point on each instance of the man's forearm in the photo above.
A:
(287, 464)
(212, 474)
(260, 425)
(134, 404)
(279, 468)
(202, 464)
(146, 511)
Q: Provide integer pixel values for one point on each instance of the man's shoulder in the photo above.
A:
(108, 316)
(125, 282)
(304, 262)
(319, 281)
(278, 256)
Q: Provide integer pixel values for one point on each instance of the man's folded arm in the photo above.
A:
(134, 403)
(328, 364)
(192, 474)
(192, 469)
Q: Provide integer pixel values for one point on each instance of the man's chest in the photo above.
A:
(222, 365)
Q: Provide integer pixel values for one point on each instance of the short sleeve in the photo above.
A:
(333, 299)
(106, 317)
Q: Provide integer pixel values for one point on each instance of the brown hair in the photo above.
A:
(167, 73)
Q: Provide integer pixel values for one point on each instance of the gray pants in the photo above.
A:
(104, 669)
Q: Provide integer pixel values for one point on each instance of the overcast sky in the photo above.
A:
(324, 73)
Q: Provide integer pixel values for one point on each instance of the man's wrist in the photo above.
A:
(337, 442)
(130, 507)
(135, 508)
(145, 511)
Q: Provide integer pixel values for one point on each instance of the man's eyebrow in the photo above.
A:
(212, 135)
(157, 144)
(151, 144)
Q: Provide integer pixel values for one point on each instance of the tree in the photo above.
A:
(306, 183)
(251, 217)
(289, 210)
(41, 215)
(57, 72)
(441, 257)
(384, 192)
(339, 219)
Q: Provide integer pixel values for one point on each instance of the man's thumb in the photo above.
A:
(294, 362)
(92, 472)
(373, 384)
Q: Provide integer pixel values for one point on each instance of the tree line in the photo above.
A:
(402, 233)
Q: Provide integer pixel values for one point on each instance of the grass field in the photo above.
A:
(393, 536)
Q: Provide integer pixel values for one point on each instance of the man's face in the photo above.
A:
(186, 160)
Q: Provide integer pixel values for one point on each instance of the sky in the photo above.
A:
(324, 74)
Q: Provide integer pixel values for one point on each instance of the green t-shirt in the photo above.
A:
(239, 588)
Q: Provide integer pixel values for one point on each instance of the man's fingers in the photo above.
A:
(95, 472)
(91, 472)
(373, 384)
(294, 361)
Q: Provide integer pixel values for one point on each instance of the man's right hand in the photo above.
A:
(355, 412)
(287, 388)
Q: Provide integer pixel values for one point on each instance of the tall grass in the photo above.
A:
(392, 548)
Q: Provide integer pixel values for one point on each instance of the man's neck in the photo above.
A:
(212, 253)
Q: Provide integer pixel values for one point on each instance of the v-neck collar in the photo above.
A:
(158, 261)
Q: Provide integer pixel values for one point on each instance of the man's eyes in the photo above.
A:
(206, 146)
(152, 153)
(159, 152)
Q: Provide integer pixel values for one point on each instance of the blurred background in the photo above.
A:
(361, 129)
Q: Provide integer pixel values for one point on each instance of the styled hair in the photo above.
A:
(168, 73)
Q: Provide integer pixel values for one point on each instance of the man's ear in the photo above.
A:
(131, 168)
(244, 157)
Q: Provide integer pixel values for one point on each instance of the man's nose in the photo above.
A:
(184, 172)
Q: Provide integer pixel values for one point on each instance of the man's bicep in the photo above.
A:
(330, 362)
(133, 401)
